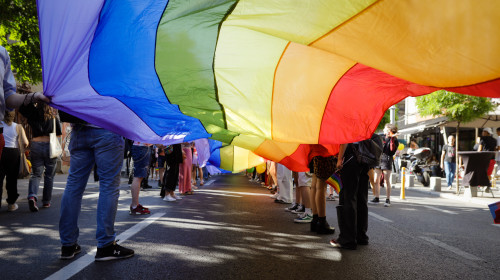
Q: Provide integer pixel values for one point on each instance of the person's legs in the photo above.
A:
(362, 208)
(320, 197)
(140, 155)
(449, 169)
(376, 188)
(37, 167)
(347, 208)
(12, 157)
(387, 179)
(108, 153)
(312, 199)
(81, 164)
(48, 178)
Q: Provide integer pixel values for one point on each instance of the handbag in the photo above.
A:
(24, 169)
(55, 146)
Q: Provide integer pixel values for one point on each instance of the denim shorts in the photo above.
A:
(161, 161)
(140, 155)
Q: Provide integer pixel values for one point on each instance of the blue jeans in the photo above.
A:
(88, 146)
(449, 169)
(40, 161)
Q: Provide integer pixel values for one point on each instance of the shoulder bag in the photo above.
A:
(55, 146)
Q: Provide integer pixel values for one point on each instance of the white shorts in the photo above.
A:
(305, 179)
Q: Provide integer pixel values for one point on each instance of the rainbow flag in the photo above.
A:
(264, 77)
(495, 211)
(335, 182)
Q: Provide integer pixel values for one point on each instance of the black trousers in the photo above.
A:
(9, 167)
(170, 178)
(352, 212)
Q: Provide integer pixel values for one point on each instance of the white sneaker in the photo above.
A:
(12, 207)
(169, 198)
(274, 196)
(449, 188)
(176, 197)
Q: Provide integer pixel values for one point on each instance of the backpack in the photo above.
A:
(368, 151)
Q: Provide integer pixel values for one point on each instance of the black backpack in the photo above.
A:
(368, 151)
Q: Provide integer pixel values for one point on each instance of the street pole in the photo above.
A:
(393, 114)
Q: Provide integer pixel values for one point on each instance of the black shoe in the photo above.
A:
(314, 223)
(362, 242)
(335, 244)
(69, 252)
(113, 252)
(324, 228)
(374, 201)
(281, 201)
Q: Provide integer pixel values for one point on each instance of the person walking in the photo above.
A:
(91, 145)
(15, 139)
(41, 118)
(448, 161)
(391, 144)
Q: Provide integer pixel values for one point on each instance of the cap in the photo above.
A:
(487, 129)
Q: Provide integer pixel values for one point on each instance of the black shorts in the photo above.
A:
(386, 162)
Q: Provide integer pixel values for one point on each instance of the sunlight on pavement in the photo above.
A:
(229, 192)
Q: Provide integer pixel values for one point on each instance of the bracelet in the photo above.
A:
(24, 101)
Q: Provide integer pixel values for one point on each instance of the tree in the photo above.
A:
(456, 107)
(19, 35)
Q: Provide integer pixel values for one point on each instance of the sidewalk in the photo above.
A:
(482, 198)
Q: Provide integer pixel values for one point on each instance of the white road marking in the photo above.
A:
(440, 210)
(209, 182)
(76, 266)
(451, 249)
(497, 225)
(378, 217)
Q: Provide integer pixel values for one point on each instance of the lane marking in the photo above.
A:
(451, 249)
(441, 210)
(378, 217)
(79, 264)
(209, 182)
(497, 225)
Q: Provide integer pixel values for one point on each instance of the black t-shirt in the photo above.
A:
(489, 143)
(449, 153)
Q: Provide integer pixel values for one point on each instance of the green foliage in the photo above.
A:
(19, 35)
(456, 107)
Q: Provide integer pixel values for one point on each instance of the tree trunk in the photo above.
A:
(456, 161)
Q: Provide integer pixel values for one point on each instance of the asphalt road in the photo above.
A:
(231, 229)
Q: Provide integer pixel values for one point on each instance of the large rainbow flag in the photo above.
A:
(264, 77)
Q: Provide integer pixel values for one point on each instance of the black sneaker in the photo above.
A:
(299, 210)
(69, 252)
(293, 207)
(387, 203)
(374, 201)
(113, 252)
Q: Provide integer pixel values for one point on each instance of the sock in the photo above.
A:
(308, 211)
(322, 219)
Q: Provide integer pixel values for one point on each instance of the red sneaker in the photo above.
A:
(139, 210)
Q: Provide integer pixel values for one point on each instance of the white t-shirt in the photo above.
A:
(10, 135)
